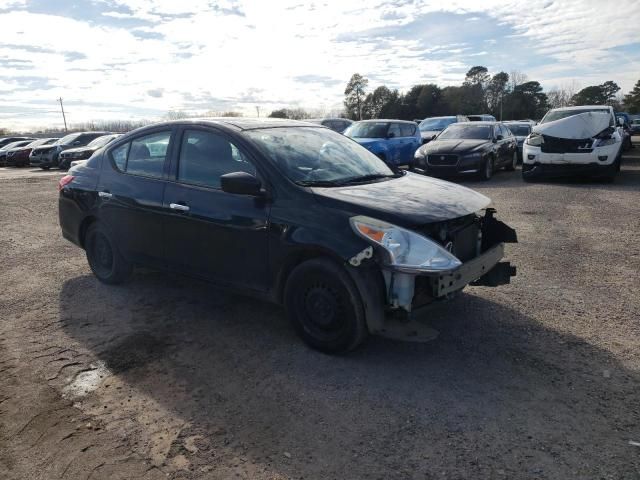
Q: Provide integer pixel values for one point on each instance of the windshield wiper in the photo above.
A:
(346, 181)
(319, 183)
(366, 178)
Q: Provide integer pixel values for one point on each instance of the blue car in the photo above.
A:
(394, 141)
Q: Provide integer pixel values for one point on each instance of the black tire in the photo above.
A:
(325, 307)
(45, 168)
(486, 172)
(104, 258)
(514, 163)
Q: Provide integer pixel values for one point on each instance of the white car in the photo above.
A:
(583, 140)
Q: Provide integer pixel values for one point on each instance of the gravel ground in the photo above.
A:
(168, 377)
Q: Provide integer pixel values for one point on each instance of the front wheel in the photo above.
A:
(486, 172)
(325, 307)
(104, 258)
(514, 163)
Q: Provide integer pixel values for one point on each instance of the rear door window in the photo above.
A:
(143, 156)
(394, 129)
(408, 130)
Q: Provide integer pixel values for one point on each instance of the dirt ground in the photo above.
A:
(166, 377)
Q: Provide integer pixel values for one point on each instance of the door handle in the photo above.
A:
(106, 195)
(178, 206)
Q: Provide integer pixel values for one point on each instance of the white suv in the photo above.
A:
(574, 140)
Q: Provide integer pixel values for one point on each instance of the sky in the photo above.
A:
(139, 59)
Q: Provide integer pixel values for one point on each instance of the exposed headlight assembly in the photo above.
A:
(603, 142)
(404, 250)
(473, 155)
(534, 139)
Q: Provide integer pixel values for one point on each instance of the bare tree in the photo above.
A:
(517, 78)
(562, 95)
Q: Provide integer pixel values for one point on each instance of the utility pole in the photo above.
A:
(501, 97)
(258, 110)
(63, 117)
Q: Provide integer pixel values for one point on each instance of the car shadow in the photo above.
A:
(496, 390)
(627, 179)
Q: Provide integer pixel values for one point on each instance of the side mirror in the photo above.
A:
(77, 142)
(620, 121)
(391, 135)
(241, 183)
(499, 137)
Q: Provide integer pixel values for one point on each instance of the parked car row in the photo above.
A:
(583, 140)
(456, 140)
(52, 152)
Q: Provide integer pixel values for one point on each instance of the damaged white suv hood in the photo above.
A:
(579, 126)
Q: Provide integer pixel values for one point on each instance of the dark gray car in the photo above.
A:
(47, 156)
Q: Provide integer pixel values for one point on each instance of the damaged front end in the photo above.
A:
(582, 143)
(438, 260)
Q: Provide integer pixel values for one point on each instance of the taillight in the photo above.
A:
(64, 181)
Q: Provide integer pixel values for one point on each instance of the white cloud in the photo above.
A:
(235, 55)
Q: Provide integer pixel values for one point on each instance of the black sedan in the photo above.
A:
(478, 148)
(287, 211)
(83, 153)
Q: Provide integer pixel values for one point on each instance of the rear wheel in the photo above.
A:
(325, 307)
(45, 168)
(514, 163)
(104, 258)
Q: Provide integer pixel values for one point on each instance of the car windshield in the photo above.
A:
(67, 139)
(519, 130)
(465, 131)
(100, 141)
(42, 141)
(318, 156)
(368, 130)
(554, 115)
(11, 145)
(436, 124)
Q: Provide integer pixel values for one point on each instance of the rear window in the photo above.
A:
(519, 130)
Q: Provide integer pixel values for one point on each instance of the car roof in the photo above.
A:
(410, 122)
(583, 107)
(474, 124)
(234, 123)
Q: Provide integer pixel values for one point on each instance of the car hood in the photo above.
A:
(79, 149)
(454, 146)
(410, 200)
(576, 127)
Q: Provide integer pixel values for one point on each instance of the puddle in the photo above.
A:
(86, 381)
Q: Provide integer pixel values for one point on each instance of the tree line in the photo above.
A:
(506, 96)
